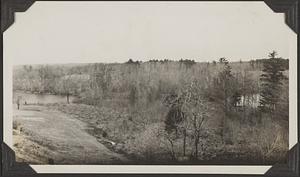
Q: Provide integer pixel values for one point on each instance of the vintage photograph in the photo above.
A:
(151, 83)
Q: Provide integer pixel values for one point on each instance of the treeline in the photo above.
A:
(180, 111)
(259, 63)
(255, 64)
(106, 79)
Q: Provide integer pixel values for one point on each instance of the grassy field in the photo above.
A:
(40, 139)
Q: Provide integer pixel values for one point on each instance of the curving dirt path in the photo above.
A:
(42, 136)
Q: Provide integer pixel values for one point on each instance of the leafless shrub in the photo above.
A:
(269, 139)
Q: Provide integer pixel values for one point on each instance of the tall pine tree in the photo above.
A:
(271, 81)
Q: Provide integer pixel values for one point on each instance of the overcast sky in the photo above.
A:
(71, 32)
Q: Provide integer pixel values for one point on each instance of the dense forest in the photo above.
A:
(167, 111)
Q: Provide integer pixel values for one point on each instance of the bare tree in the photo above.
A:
(67, 86)
(197, 112)
(100, 79)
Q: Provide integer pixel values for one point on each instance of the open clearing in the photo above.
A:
(42, 136)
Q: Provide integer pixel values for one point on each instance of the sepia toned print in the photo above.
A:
(160, 111)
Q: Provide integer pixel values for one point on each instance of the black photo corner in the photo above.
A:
(9, 166)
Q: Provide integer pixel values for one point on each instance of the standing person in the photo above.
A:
(19, 101)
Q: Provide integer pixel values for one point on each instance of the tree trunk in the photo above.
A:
(196, 146)
(223, 124)
(244, 110)
(172, 151)
(173, 156)
(184, 141)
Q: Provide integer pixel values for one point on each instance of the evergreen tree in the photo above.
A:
(225, 92)
(271, 79)
(226, 87)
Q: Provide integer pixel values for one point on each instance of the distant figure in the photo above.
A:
(25, 103)
(68, 99)
(18, 101)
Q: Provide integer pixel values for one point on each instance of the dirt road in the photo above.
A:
(42, 136)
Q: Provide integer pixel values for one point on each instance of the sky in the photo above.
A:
(81, 32)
